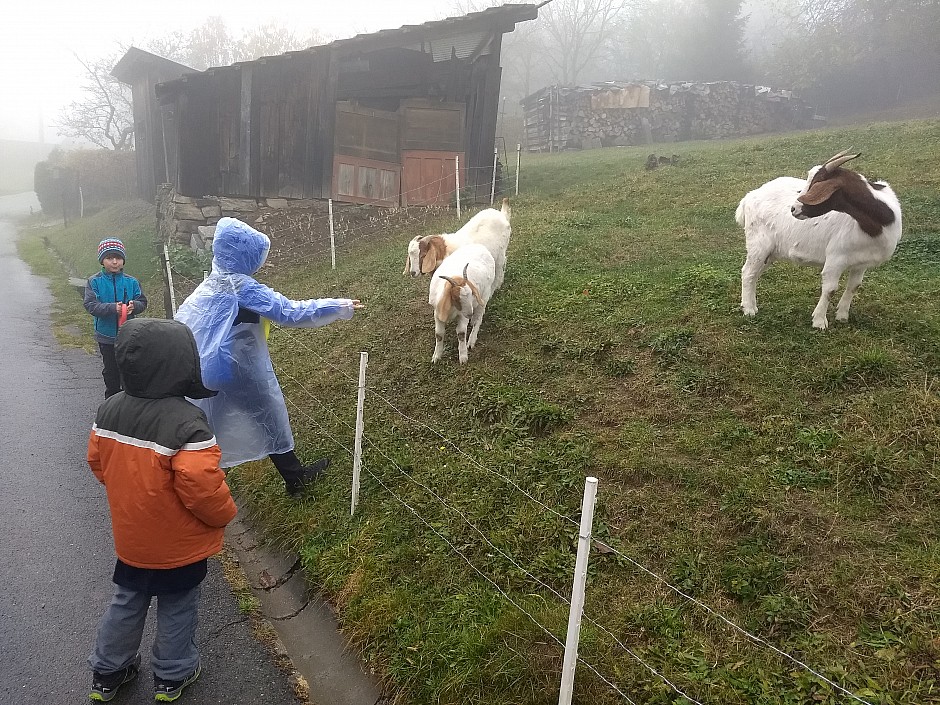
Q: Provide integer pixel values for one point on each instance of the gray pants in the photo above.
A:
(174, 648)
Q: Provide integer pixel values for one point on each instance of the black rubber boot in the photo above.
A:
(298, 476)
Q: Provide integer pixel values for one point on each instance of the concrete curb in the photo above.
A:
(303, 621)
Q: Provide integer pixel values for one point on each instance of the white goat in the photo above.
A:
(489, 227)
(461, 288)
(834, 219)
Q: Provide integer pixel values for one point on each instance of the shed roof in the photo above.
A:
(135, 61)
(502, 18)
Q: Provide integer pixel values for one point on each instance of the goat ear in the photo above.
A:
(407, 264)
(429, 262)
(433, 255)
(476, 292)
(819, 192)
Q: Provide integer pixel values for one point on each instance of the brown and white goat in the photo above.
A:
(489, 227)
(834, 219)
(460, 288)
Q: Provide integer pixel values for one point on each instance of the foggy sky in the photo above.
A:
(39, 74)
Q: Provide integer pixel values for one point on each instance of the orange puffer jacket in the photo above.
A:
(155, 454)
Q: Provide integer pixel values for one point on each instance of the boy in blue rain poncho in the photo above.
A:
(248, 415)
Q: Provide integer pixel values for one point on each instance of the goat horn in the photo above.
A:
(838, 160)
(452, 282)
(839, 154)
(465, 270)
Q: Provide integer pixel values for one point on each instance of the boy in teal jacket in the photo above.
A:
(112, 297)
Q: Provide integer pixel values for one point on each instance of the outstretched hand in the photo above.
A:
(357, 304)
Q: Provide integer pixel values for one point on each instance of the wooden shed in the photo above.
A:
(378, 118)
(142, 71)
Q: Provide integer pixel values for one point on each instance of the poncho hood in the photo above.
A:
(158, 359)
(237, 248)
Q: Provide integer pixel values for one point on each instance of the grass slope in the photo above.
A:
(784, 476)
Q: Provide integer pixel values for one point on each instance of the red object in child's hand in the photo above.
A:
(122, 315)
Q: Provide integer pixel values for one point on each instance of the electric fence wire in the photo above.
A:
(444, 439)
(533, 578)
(479, 572)
(711, 611)
(346, 211)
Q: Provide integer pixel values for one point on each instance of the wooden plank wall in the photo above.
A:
(283, 89)
(199, 137)
(144, 135)
(390, 73)
(482, 106)
(318, 161)
(230, 164)
(170, 127)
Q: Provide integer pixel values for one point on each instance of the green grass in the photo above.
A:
(785, 476)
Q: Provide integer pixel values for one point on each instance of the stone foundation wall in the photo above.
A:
(192, 221)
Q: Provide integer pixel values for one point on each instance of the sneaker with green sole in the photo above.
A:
(168, 691)
(104, 686)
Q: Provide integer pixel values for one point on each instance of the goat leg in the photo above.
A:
(852, 282)
(830, 284)
(476, 322)
(754, 266)
(438, 339)
(462, 323)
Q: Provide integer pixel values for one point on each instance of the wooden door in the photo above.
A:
(366, 167)
(357, 180)
(428, 177)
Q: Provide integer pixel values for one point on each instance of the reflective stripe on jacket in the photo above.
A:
(155, 454)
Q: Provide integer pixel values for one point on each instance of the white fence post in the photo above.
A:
(493, 186)
(169, 278)
(332, 237)
(577, 592)
(518, 164)
(205, 274)
(457, 176)
(357, 453)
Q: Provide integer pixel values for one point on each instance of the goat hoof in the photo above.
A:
(821, 325)
(750, 311)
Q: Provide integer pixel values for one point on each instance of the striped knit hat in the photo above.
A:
(111, 246)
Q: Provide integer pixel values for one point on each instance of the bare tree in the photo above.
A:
(642, 39)
(105, 117)
(273, 38)
(210, 45)
(576, 31)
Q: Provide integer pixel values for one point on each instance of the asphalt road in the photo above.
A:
(56, 553)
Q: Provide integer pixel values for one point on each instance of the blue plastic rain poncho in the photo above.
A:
(248, 416)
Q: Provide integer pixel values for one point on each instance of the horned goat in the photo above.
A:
(834, 219)
(460, 288)
(489, 227)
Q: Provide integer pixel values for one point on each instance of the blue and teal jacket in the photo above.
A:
(104, 290)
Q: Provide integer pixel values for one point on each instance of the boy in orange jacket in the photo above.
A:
(159, 462)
